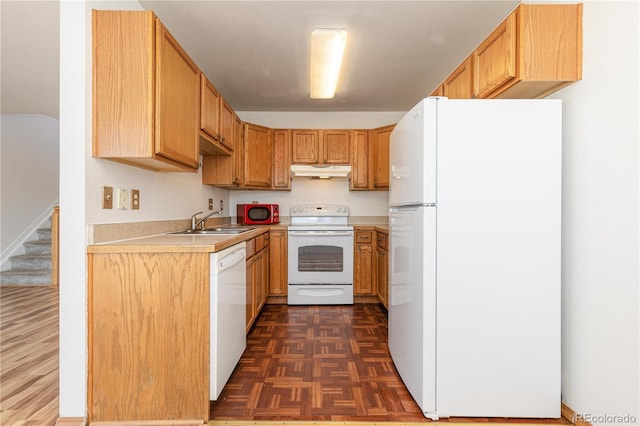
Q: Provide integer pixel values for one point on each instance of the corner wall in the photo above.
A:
(600, 254)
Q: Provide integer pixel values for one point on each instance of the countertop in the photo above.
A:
(177, 242)
(208, 243)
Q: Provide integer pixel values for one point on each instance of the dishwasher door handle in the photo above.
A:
(231, 259)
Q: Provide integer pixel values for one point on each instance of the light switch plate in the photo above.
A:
(123, 199)
(107, 197)
(135, 199)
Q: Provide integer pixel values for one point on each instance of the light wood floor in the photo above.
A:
(28, 355)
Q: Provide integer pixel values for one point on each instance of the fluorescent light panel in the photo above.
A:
(327, 48)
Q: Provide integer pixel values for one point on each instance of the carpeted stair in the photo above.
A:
(33, 267)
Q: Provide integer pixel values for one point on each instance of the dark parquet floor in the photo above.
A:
(317, 363)
(321, 363)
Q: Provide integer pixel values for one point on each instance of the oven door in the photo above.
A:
(320, 257)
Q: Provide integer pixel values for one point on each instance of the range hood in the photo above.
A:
(320, 172)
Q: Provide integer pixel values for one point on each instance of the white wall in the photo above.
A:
(28, 175)
(600, 219)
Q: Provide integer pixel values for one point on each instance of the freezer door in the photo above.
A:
(412, 327)
(412, 153)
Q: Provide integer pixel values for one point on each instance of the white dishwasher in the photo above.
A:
(228, 283)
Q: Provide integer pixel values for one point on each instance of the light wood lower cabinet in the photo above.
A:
(257, 276)
(278, 252)
(363, 277)
(148, 337)
(382, 268)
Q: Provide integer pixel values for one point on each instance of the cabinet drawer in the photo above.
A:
(260, 242)
(382, 240)
(251, 247)
(363, 237)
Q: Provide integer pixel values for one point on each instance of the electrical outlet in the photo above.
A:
(210, 203)
(123, 199)
(135, 199)
(221, 205)
(107, 197)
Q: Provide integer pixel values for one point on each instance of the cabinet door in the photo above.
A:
(257, 156)
(439, 91)
(495, 58)
(359, 160)
(336, 146)
(238, 152)
(305, 146)
(363, 263)
(278, 278)
(209, 108)
(282, 159)
(251, 293)
(227, 122)
(382, 266)
(380, 157)
(177, 103)
(459, 85)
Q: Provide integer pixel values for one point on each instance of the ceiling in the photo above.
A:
(257, 52)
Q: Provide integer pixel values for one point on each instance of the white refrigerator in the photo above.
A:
(474, 276)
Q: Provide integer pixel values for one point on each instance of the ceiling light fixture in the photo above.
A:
(327, 48)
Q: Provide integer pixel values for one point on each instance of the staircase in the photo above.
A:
(34, 266)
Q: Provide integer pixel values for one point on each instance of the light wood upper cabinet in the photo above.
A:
(336, 146)
(305, 146)
(459, 85)
(226, 171)
(359, 160)
(258, 151)
(534, 52)
(380, 157)
(145, 93)
(313, 146)
(227, 122)
(496, 58)
(211, 142)
(282, 159)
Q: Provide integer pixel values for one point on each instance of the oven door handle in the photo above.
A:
(320, 233)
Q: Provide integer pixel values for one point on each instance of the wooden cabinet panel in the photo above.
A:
(227, 122)
(226, 171)
(148, 337)
(305, 146)
(359, 160)
(257, 276)
(258, 151)
(439, 91)
(380, 161)
(145, 93)
(459, 85)
(336, 146)
(496, 57)
(210, 99)
(278, 262)
(251, 293)
(382, 268)
(363, 264)
(282, 159)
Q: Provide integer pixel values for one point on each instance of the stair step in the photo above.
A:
(38, 247)
(44, 233)
(31, 261)
(21, 276)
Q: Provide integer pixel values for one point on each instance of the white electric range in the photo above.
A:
(320, 255)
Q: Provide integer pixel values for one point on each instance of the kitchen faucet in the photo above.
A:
(195, 222)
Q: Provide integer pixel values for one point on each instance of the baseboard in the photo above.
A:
(71, 421)
(571, 416)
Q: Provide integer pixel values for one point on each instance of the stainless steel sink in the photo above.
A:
(216, 230)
